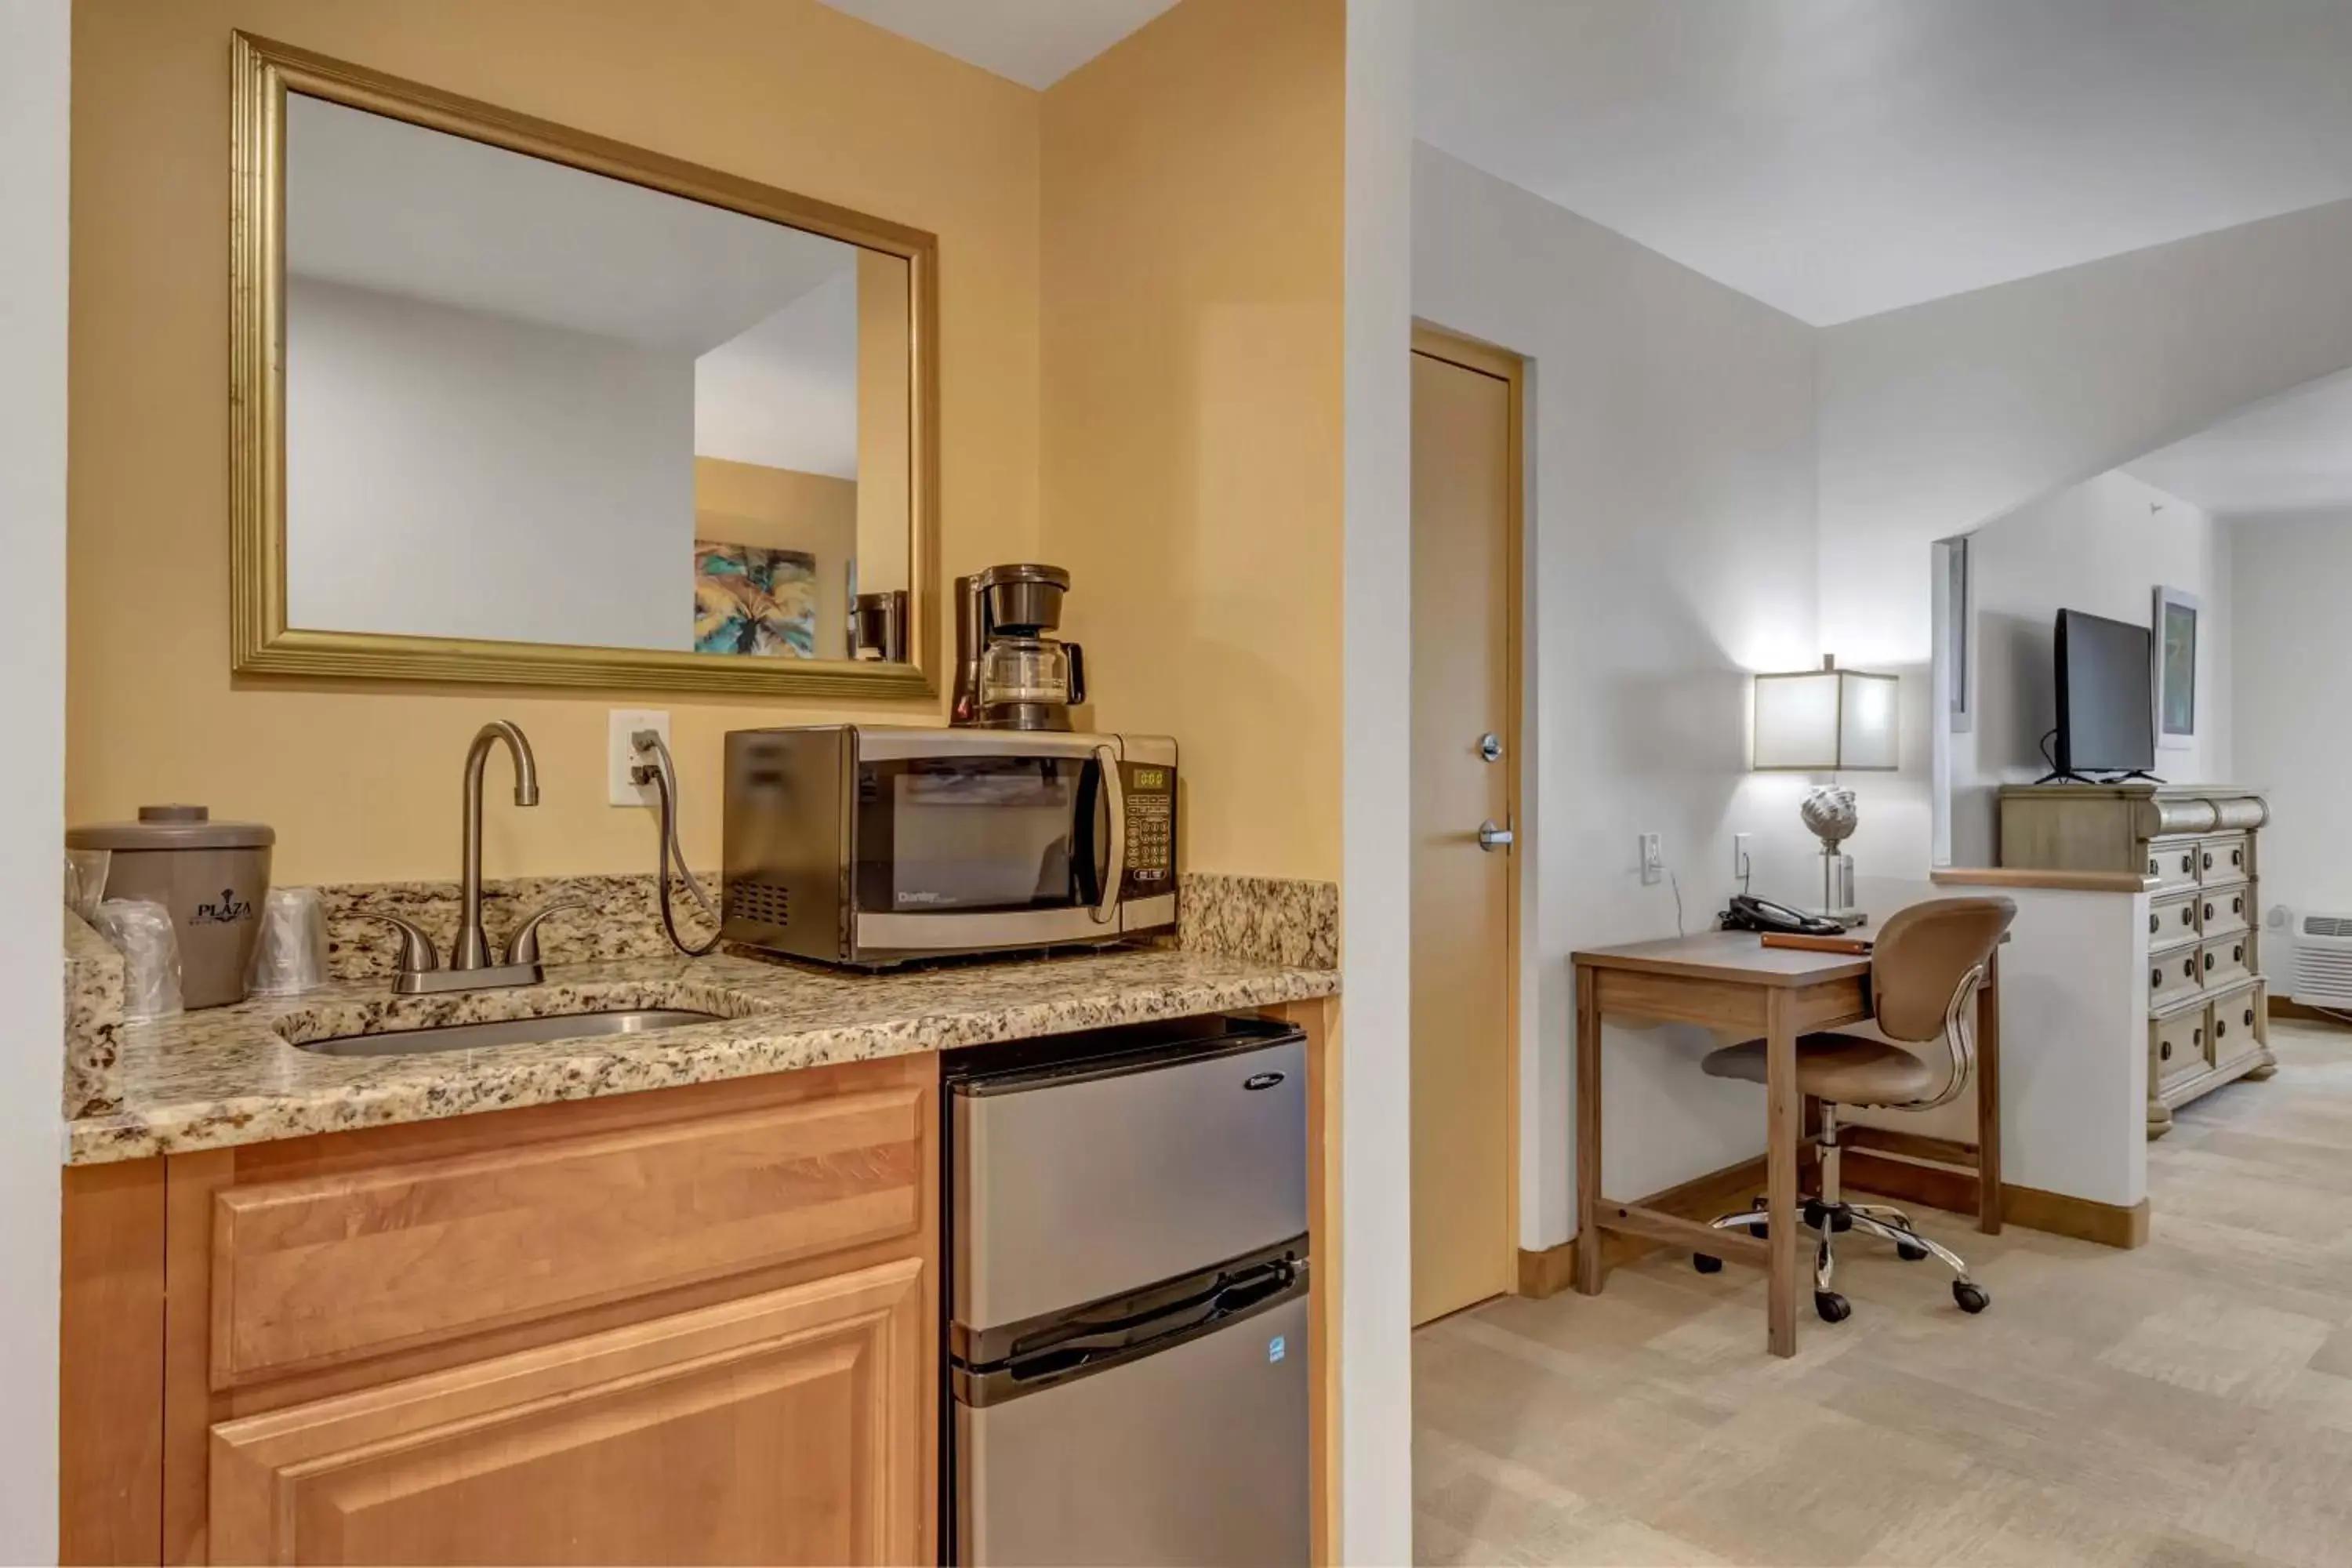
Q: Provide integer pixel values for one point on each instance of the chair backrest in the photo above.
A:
(1925, 954)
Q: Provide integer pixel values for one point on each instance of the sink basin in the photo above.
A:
(506, 1032)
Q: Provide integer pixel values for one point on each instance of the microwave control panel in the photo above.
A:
(1151, 790)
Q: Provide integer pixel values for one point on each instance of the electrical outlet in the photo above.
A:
(1742, 867)
(1654, 859)
(621, 754)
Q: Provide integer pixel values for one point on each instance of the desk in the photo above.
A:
(1729, 981)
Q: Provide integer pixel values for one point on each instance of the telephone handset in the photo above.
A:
(1762, 914)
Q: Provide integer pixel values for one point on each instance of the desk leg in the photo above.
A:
(1587, 1132)
(1989, 1098)
(1785, 1106)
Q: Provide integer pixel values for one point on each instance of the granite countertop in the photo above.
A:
(228, 1076)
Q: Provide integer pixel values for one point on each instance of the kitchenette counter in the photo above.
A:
(230, 1075)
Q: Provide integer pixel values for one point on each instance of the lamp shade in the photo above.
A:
(1824, 722)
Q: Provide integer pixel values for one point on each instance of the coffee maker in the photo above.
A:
(1009, 674)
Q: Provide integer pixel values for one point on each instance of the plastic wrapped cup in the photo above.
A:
(141, 931)
(290, 956)
(86, 881)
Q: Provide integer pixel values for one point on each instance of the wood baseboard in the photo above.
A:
(1550, 1271)
(1553, 1269)
(1955, 1192)
(2281, 1007)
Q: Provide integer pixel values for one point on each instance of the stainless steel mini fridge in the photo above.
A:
(1127, 1302)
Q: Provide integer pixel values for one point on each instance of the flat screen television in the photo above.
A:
(2106, 696)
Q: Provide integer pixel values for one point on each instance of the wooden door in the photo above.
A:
(1465, 529)
(784, 1428)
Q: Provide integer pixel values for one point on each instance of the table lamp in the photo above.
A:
(1827, 721)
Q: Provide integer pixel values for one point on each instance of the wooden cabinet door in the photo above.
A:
(784, 1428)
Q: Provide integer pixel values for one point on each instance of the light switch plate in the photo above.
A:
(1742, 867)
(1654, 859)
(620, 756)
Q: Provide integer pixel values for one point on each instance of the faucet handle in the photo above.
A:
(416, 953)
(523, 946)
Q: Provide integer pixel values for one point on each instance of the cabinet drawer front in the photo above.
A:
(2240, 1024)
(785, 1427)
(2228, 858)
(2231, 958)
(2176, 1046)
(2173, 863)
(2172, 920)
(2173, 975)
(2222, 911)
(321, 1269)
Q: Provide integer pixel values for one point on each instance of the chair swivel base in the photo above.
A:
(1827, 1219)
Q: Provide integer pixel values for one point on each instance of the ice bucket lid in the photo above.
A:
(172, 827)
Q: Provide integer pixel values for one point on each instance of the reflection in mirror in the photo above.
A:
(526, 403)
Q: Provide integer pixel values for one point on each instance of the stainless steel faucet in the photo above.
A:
(469, 951)
(470, 969)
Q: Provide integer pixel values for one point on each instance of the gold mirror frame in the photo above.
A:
(261, 642)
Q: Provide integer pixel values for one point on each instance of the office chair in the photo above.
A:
(1926, 968)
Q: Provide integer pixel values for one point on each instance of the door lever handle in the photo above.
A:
(1491, 838)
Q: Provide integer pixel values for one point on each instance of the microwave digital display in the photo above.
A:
(1148, 778)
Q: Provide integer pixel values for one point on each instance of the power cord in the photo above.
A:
(1676, 883)
(662, 775)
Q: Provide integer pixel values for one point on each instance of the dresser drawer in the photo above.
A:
(2230, 959)
(2226, 858)
(2176, 1046)
(2242, 1025)
(316, 1270)
(2222, 911)
(2172, 920)
(2173, 975)
(2173, 863)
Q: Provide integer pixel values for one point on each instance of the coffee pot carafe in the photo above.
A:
(1009, 674)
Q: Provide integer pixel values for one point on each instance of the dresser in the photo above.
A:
(2199, 847)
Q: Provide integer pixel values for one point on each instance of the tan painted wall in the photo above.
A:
(362, 779)
(885, 415)
(785, 509)
(1191, 423)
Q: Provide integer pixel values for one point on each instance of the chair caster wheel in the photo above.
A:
(1833, 1306)
(1705, 1265)
(1908, 1253)
(1971, 1298)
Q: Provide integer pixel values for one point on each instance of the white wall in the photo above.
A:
(1375, 1263)
(2292, 580)
(34, 44)
(2095, 547)
(1670, 554)
(1940, 418)
(455, 473)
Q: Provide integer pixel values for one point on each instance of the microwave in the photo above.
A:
(872, 845)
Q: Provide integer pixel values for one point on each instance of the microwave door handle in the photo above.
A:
(1115, 873)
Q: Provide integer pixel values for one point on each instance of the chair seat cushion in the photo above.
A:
(1845, 1069)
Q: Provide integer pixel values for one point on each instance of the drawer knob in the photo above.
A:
(2189, 862)
(2154, 925)
(2209, 862)
(2250, 1017)
(2237, 858)
(2197, 1035)
(2189, 968)
(2210, 962)
(2156, 979)
(2208, 912)
(2187, 916)
(2221, 1028)
(2164, 1050)
(2238, 905)
(2238, 954)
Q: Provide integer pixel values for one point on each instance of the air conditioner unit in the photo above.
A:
(2323, 961)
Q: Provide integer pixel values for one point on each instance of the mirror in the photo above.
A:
(538, 408)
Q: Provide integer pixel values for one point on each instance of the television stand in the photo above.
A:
(2135, 773)
(2057, 776)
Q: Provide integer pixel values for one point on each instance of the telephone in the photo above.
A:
(1762, 914)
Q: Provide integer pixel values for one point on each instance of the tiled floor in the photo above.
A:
(2183, 1406)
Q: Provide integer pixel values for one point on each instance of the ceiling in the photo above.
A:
(1838, 158)
(1034, 42)
(377, 202)
(2292, 453)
